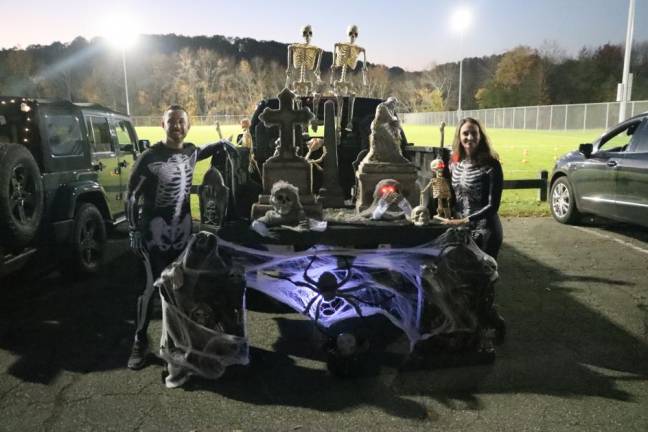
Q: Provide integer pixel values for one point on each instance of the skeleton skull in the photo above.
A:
(420, 215)
(437, 166)
(203, 315)
(284, 198)
(307, 32)
(352, 32)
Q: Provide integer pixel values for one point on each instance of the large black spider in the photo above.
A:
(329, 290)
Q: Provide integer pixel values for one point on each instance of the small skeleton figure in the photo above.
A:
(420, 215)
(440, 188)
(286, 209)
(345, 56)
(304, 58)
(388, 203)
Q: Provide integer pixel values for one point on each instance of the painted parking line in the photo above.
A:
(622, 242)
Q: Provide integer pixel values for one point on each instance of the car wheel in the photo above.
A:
(562, 202)
(21, 195)
(88, 240)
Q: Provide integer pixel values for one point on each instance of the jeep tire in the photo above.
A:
(21, 196)
(88, 241)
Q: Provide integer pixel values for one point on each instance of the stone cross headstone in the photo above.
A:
(286, 165)
(286, 117)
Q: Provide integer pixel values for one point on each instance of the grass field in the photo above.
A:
(523, 153)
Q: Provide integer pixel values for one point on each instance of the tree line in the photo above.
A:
(219, 75)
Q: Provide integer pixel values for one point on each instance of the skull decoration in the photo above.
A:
(420, 216)
(203, 315)
(284, 198)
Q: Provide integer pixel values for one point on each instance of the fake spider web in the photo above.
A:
(426, 290)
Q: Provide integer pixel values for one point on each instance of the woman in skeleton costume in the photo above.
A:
(477, 183)
(158, 210)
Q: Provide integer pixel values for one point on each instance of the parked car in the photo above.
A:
(607, 178)
(64, 168)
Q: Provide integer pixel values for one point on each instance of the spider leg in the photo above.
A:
(349, 296)
(317, 309)
(305, 275)
(296, 283)
(353, 304)
(309, 305)
(348, 274)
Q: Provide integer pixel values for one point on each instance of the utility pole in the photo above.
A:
(624, 89)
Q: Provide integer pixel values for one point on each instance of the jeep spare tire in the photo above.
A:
(21, 195)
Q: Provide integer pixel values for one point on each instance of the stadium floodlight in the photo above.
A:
(120, 34)
(460, 21)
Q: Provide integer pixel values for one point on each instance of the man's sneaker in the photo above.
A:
(137, 359)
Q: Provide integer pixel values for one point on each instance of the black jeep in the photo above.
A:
(64, 169)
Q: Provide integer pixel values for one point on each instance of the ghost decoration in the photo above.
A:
(388, 202)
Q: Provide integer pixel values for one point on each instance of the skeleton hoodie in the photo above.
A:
(160, 185)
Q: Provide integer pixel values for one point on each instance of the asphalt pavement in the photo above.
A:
(575, 357)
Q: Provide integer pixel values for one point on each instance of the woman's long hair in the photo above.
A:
(484, 153)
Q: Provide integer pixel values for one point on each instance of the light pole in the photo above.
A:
(125, 80)
(122, 38)
(624, 90)
(461, 20)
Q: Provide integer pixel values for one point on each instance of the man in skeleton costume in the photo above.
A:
(158, 210)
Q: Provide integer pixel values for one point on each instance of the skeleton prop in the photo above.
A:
(420, 215)
(203, 318)
(439, 184)
(345, 57)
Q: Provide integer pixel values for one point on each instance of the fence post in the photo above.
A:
(607, 115)
(585, 117)
(537, 116)
(524, 118)
(542, 193)
(566, 112)
(551, 117)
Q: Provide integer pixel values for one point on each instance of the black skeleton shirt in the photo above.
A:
(162, 179)
(477, 189)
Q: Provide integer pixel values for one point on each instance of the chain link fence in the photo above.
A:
(544, 117)
(223, 119)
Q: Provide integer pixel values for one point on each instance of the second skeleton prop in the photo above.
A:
(345, 57)
(439, 184)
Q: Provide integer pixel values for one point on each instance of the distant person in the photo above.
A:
(477, 182)
(158, 210)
